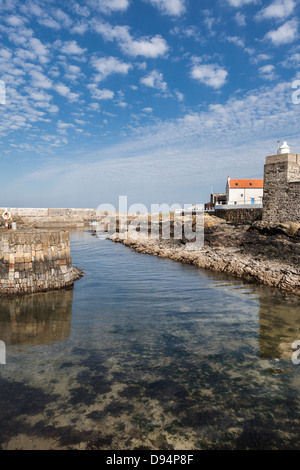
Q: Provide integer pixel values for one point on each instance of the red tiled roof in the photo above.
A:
(246, 183)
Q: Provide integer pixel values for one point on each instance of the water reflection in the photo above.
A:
(36, 319)
(161, 356)
(279, 325)
(278, 314)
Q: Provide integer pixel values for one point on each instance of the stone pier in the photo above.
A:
(35, 262)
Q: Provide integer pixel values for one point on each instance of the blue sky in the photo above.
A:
(154, 99)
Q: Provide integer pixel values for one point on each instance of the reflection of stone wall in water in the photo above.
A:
(37, 318)
(279, 322)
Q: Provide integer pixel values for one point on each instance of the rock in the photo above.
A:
(263, 253)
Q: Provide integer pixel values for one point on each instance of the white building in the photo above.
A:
(244, 191)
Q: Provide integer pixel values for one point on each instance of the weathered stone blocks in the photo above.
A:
(35, 261)
(281, 200)
(239, 216)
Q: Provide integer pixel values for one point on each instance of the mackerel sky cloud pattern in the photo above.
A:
(162, 97)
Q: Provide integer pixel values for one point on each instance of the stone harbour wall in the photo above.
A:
(239, 216)
(42, 218)
(35, 262)
(52, 212)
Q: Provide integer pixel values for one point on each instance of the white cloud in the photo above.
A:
(179, 95)
(155, 80)
(203, 137)
(79, 28)
(240, 18)
(210, 21)
(14, 21)
(8, 4)
(65, 91)
(81, 10)
(32, 9)
(285, 34)
(39, 95)
(236, 40)
(279, 9)
(169, 7)
(62, 17)
(39, 49)
(19, 36)
(39, 80)
(148, 110)
(72, 48)
(241, 3)
(122, 104)
(109, 32)
(141, 65)
(94, 106)
(191, 31)
(267, 72)
(292, 61)
(260, 58)
(5, 54)
(106, 66)
(62, 126)
(211, 75)
(98, 94)
(109, 6)
(49, 22)
(150, 47)
(73, 73)
(44, 18)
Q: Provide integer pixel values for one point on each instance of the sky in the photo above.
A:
(158, 100)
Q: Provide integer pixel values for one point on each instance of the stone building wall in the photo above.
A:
(35, 262)
(281, 200)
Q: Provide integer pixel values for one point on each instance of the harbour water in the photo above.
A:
(147, 353)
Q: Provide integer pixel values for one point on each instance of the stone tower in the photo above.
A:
(281, 199)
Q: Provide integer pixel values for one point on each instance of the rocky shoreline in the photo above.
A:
(261, 253)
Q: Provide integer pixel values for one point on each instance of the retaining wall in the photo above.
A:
(240, 216)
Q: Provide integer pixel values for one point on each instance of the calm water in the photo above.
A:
(149, 353)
